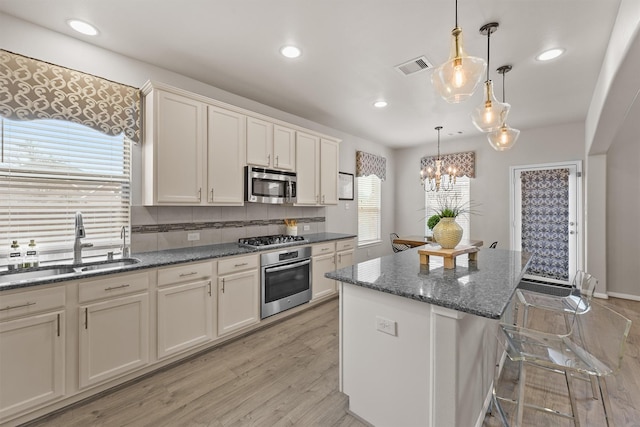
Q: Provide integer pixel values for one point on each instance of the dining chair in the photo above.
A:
(597, 352)
(493, 245)
(397, 247)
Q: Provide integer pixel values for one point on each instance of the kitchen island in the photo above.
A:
(417, 342)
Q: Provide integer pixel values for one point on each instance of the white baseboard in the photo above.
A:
(623, 296)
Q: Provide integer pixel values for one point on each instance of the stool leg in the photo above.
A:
(520, 405)
(572, 399)
(605, 400)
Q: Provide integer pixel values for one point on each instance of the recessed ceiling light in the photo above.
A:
(550, 54)
(290, 51)
(82, 27)
(380, 104)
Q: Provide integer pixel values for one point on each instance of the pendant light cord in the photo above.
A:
(488, 51)
(456, 13)
(503, 98)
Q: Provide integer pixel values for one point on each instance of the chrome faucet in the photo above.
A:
(125, 248)
(77, 244)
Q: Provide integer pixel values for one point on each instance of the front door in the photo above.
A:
(546, 219)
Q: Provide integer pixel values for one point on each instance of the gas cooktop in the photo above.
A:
(270, 241)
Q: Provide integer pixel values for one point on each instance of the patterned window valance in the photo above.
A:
(371, 164)
(464, 162)
(32, 89)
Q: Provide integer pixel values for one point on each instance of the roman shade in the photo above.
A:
(464, 162)
(33, 89)
(370, 164)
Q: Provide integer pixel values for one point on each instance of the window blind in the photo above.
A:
(462, 190)
(368, 209)
(49, 170)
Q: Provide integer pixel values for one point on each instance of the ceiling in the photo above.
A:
(350, 49)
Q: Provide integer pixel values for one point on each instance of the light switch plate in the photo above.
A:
(387, 326)
(306, 228)
(193, 236)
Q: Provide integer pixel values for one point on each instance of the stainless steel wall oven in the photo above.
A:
(285, 279)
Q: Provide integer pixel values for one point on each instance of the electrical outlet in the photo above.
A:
(346, 206)
(193, 236)
(306, 227)
(387, 326)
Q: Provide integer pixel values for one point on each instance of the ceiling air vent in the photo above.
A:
(415, 65)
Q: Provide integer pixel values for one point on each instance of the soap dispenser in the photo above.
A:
(31, 259)
(15, 256)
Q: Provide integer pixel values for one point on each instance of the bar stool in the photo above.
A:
(597, 352)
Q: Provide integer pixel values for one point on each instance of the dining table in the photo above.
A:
(414, 241)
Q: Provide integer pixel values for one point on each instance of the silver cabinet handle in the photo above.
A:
(86, 318)
(199, 194)
(223, 285)
(323, 198)
(268, 159)
(188, 274)
(276, 164)
(211, 195)
(58, 327)
(324, 249)
(241, 264)
(9, 307)
(110, 288)
(209, 287)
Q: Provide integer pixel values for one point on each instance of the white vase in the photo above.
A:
(447, 233)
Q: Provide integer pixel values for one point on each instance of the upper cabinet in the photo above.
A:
(317, 160)
(195, 149)
(270, 145)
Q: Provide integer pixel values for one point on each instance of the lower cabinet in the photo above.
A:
(323, 260)
(185, 308)
(113, 333)
(238, 301)
(32, 361)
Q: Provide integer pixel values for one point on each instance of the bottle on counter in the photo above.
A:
(15, 256)
(31, 258)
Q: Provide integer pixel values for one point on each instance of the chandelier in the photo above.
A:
(438, 180)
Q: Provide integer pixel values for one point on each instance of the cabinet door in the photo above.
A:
(328, 172)
(284, 148)
(322, 286)
(113, 338)
(307, 155)
(238, 301)
(345, 258)
(185, 317)
(32, 362)
(226, 148)
(259, 142)
(180, 131)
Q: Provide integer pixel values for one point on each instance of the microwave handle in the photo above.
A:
(289, 190)
(286, 266)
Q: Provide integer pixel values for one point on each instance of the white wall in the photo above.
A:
(490, 187)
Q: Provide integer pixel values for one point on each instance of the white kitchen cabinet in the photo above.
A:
(185, 307)
(226, 156)
(323, 260)
(270, 145)
(238, 294)
(194, 152)
(174, 148)
(317, 165)
(32, 350)
(114, 330)
(345, 253)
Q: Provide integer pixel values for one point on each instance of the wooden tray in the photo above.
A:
(449, 255)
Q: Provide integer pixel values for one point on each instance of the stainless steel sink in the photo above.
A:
(36, 274)
(62, 270)
(109, 264)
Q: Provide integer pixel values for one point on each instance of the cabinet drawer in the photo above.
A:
(344, 245)
(323, 249)
(112, 286)
(184, 273)
(31, 302)
(233, 265)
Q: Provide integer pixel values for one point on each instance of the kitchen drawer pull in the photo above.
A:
(241, 264)
(188, 274)
(110, 288)
(9, 307)
(324, 249)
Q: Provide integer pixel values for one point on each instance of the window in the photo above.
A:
(463, 192)
(368, 209)
(49, 170)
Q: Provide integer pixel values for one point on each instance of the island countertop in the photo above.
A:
(483, 287)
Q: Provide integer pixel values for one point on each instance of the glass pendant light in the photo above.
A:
(458, 78)
(505, 137)
(489, 115)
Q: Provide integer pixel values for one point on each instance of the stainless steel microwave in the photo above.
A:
(269, 186)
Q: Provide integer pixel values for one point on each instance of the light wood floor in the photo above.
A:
(287, 375)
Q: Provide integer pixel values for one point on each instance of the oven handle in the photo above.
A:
(286, 266)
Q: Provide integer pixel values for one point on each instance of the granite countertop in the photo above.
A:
(167, 257)
(483, 287)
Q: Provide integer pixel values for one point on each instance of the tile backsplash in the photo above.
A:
(168, 227)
